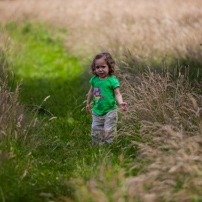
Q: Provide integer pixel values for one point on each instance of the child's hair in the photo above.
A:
(109, 60)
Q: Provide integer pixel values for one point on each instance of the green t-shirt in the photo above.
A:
(103, 94)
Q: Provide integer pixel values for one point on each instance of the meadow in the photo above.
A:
(45, 145)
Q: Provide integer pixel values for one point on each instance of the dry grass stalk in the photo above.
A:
(11, 113)
(106, 183)
(174, 172)
(169, 112)
(158, 98)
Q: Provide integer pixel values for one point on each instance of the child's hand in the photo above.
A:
(88, 109)
(123, 106)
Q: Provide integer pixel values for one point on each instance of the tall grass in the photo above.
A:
(148, 29)
(38, 163)
(170, 114)
(168, 165)
(12, 114)
(164, 119)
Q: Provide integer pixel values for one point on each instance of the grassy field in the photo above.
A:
(148, 29)
(57, 146)
(45, 144)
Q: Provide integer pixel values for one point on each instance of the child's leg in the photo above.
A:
(97, 128)
(111, 119)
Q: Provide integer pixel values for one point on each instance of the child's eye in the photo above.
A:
(100, 67)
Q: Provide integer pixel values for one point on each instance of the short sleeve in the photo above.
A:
(115, 83)
(92, 81)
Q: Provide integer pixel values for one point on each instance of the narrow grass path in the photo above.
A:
(59, 149)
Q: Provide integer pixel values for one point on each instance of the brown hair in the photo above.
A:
(109, 60)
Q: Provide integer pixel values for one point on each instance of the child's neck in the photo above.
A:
(104, 77)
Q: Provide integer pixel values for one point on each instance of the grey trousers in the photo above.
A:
(103, 127)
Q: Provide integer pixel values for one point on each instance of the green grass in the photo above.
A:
(39, 58)
(59, 149)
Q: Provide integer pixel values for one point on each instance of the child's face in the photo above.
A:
(101, 68)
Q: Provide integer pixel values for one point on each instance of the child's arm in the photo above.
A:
(90, 93)
(119, 99)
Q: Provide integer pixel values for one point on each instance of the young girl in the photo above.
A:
(104, 89)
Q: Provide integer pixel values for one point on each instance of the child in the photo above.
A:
(104, 89)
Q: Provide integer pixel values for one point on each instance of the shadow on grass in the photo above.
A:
(66, 95)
